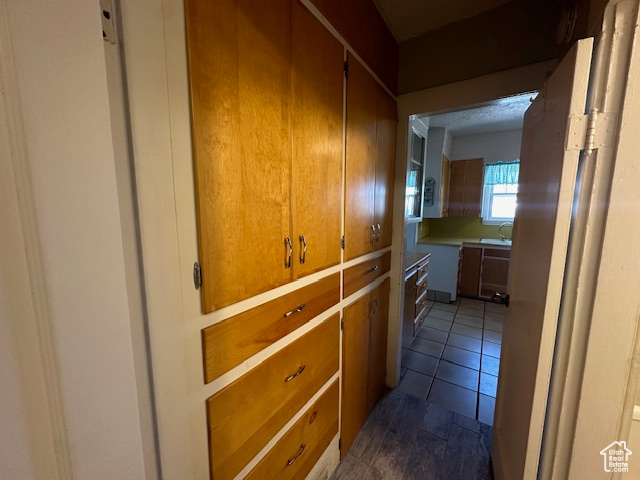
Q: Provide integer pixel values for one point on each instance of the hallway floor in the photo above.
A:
(406, 438)
(454, 359)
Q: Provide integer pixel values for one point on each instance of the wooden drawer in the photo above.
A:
(422, 268)
(299, 449)
(364, 273)
(497, 252)
(244, 416)
(230, 342)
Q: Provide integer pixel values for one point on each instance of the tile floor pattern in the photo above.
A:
(407, 438)
(453, 361)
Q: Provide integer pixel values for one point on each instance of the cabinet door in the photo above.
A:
(360, 162)
(470, 276)
(377, 372)
(240, 72)
(385, 166)
(355, 359)
(473, 186)
(317, 79)
(457, 173)
(444, 186)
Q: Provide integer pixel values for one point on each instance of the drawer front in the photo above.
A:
(422, 268)
(245, 415)
(299, 449)
(364, 273)
(420, 290)
(497, 252)
(230, 342)
(421, 303)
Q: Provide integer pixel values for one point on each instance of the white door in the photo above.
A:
(541, 233)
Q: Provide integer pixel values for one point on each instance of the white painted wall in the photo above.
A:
(493, 147)
(73, 245)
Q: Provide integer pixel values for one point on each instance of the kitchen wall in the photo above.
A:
(492, 147)
(462, 227)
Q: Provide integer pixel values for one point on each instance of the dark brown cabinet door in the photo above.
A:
(362, 91)
(465, 188)
(317, 78)
(378, 344)
(473, 188)
(240, 69)
(355, 364)
(457, 173)
(470, 275)
(385, 166)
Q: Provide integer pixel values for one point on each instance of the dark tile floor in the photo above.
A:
(407, 438)
(454, 359)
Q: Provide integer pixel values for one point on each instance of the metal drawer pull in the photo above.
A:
(373, 234)
(291, 461)
(288, 252)
(295, 310)
(291, 377)
(378, 234)
(374, 269)
(303, 253)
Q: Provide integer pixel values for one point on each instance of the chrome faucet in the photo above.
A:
(505, 224)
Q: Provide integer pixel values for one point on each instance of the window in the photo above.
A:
(500, 192)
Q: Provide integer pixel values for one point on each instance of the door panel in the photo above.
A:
(473, 187)
(243, 174)
(470, 276)
(317, 79)
(457, 173)
(355, 358)
(538, 257)
(385, 167)
(378, 344)
(360, 163)
(444, 187)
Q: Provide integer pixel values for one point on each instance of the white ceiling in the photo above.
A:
(498, 116)
(411, 18)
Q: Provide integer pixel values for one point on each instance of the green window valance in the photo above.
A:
(502, 173)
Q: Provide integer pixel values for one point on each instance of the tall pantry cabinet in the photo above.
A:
(266, 88)
(370, 151)
(269, 140)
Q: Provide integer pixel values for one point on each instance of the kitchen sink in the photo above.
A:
(496, 241)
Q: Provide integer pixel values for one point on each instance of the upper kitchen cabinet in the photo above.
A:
(370, 153)
(318, 72)
(436, 172)
(266, 128)
(386, 121)
(417, 149)
(465, 188)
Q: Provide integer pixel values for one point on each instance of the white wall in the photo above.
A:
(493, 147)
(74, 248)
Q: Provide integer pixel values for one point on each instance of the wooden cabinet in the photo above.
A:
(370, 153)
(465, 188)
(444, 187)
(364, 357)
(299, 449)
(415, 301)
(469, 277)
(317, 85)
(483, 272)
(251, 101)
(495, 271)
(243, 416)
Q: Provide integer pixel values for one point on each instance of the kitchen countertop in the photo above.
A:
(411, 259)
(459, 241)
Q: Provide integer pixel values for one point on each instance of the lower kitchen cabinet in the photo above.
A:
(364, 359)
(483, 272)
